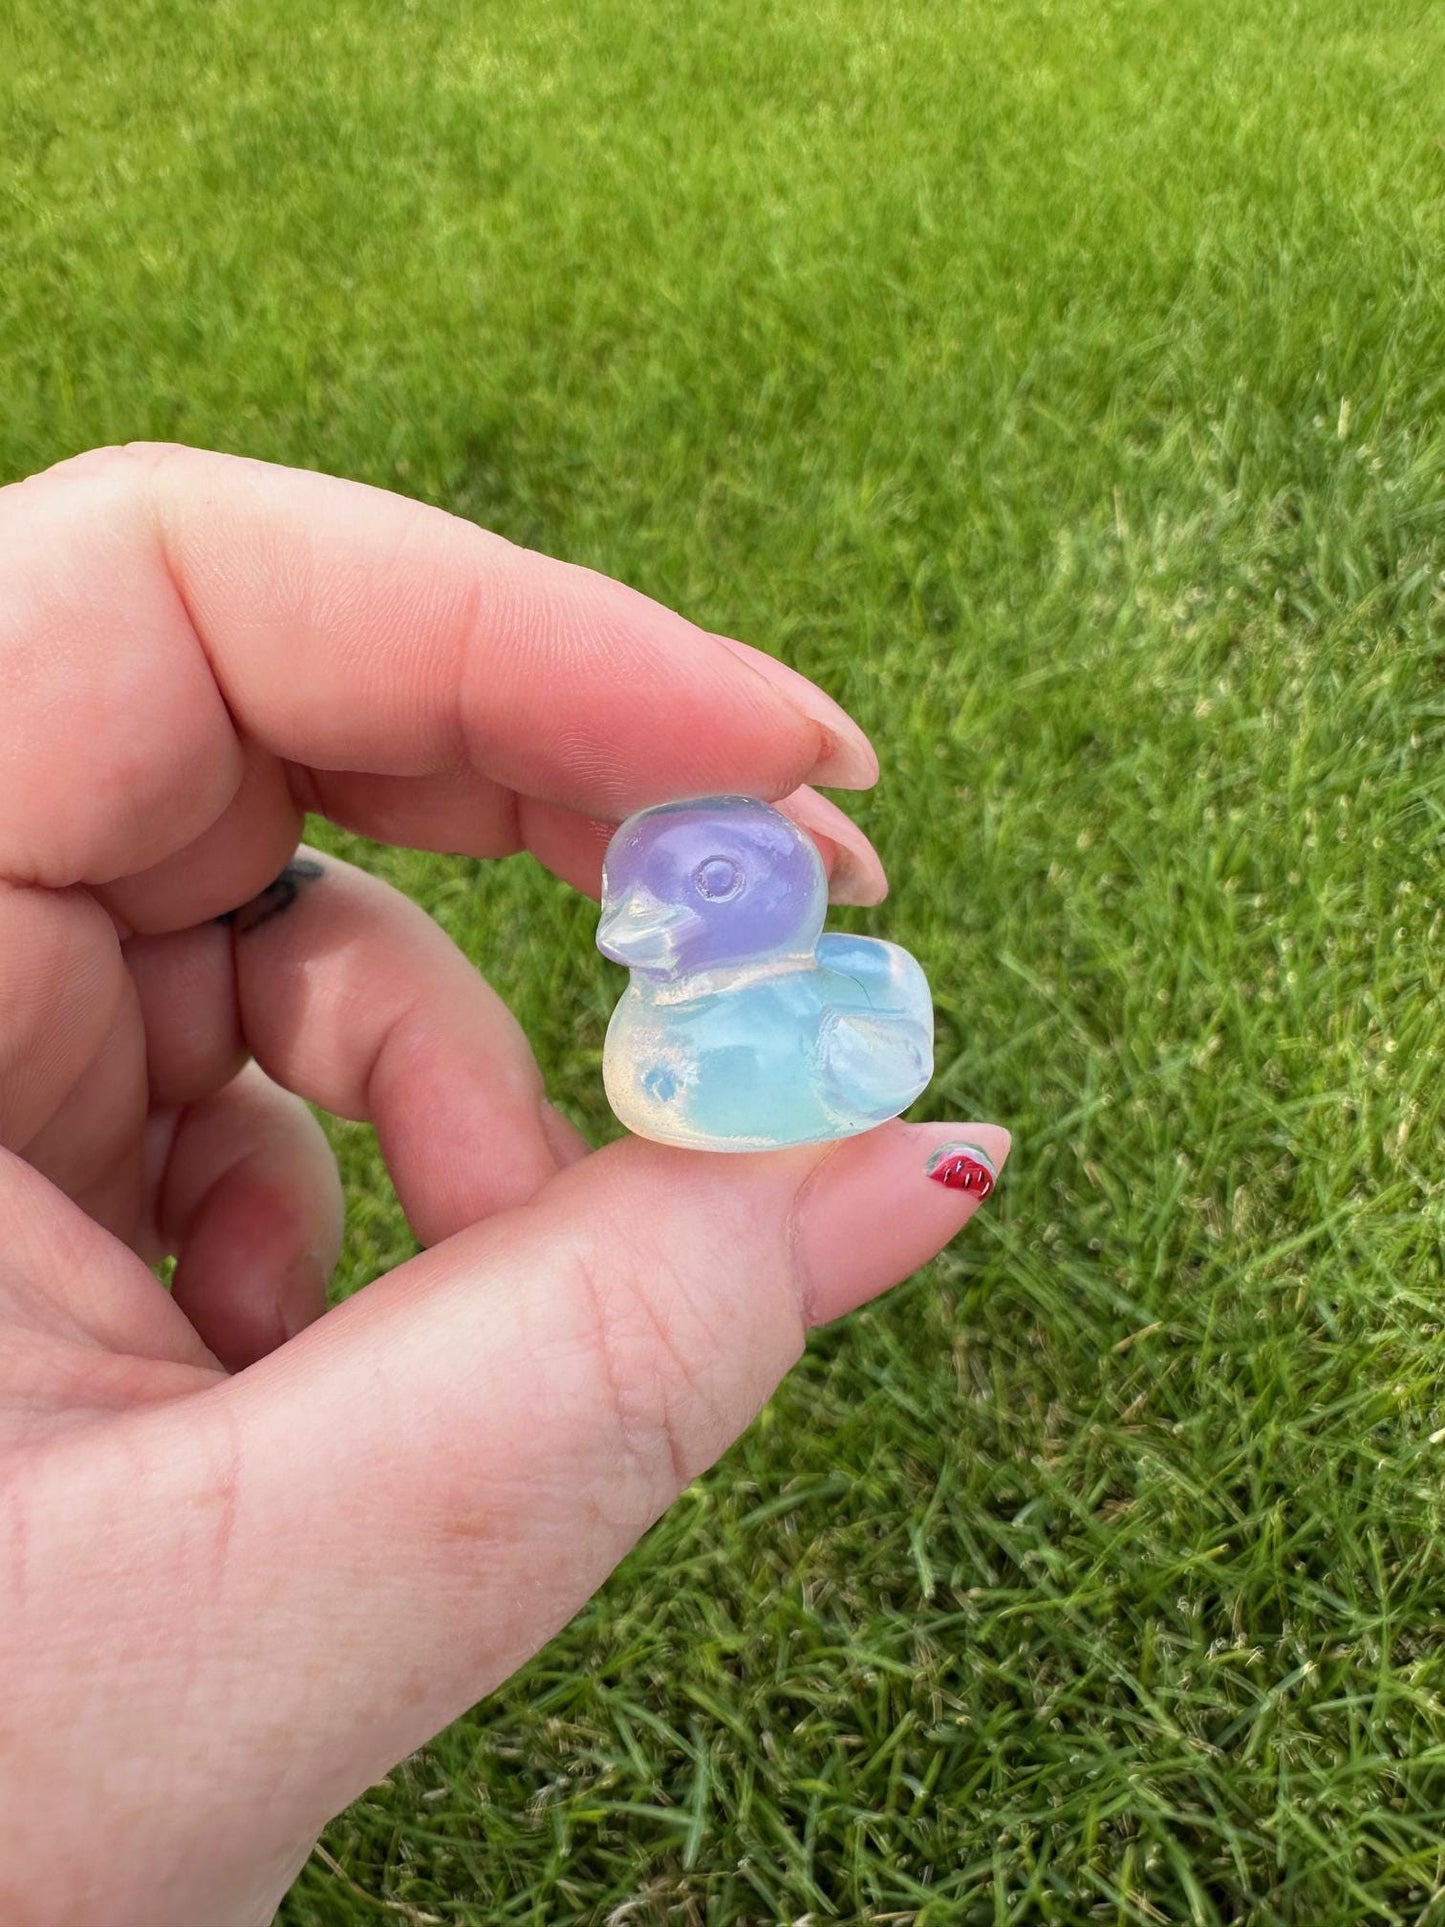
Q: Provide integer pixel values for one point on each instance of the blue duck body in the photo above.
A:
(744, 1027)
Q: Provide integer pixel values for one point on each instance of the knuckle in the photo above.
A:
(126, 460)
(117, 477)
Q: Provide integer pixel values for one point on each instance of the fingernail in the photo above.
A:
(964, 1167)
(848, 760)
(855, 871)
(875, 1208)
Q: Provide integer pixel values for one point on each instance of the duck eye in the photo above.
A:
(718, 879)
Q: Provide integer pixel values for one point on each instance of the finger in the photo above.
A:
(72, 1071)
(457, 811)
(506, 1414)
(351, 996)
(185, 983)
(68, 1290)
(62, 983)
(250, 1199)
(855, 870)
(231, 859)
(340, 628)
(572, 847)
(90, 1144)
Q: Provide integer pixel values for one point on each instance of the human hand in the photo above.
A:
(232, 1598)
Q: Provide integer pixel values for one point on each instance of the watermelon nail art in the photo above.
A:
(963, 1167)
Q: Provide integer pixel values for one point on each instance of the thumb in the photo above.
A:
(381, 1520)
(441, 1472)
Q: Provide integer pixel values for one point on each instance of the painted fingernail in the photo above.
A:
(848, 760)
(963, 1167)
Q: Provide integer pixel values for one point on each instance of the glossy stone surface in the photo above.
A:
(745, 1027)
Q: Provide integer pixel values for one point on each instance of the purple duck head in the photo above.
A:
(717, 881)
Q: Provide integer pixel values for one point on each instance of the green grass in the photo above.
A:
(1062, 383)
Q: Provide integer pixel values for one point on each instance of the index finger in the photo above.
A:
(164, 611)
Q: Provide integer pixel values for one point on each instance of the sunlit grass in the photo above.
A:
(1061, 385)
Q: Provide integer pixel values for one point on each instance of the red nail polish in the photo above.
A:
(963, 1167)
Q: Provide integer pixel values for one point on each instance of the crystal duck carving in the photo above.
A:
(746, 1026)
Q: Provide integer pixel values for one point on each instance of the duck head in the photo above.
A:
(717, 881)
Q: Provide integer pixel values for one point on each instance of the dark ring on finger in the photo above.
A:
(278, 895)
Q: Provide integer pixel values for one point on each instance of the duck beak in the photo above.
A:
(642, 933)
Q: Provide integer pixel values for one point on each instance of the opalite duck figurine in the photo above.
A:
(745, 1027)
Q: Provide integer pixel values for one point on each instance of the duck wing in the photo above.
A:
(876, 1040)
(872, 1067)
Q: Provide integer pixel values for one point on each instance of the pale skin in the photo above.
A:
(251, 1554)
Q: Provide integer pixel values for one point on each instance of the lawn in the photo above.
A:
(1062, 384)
